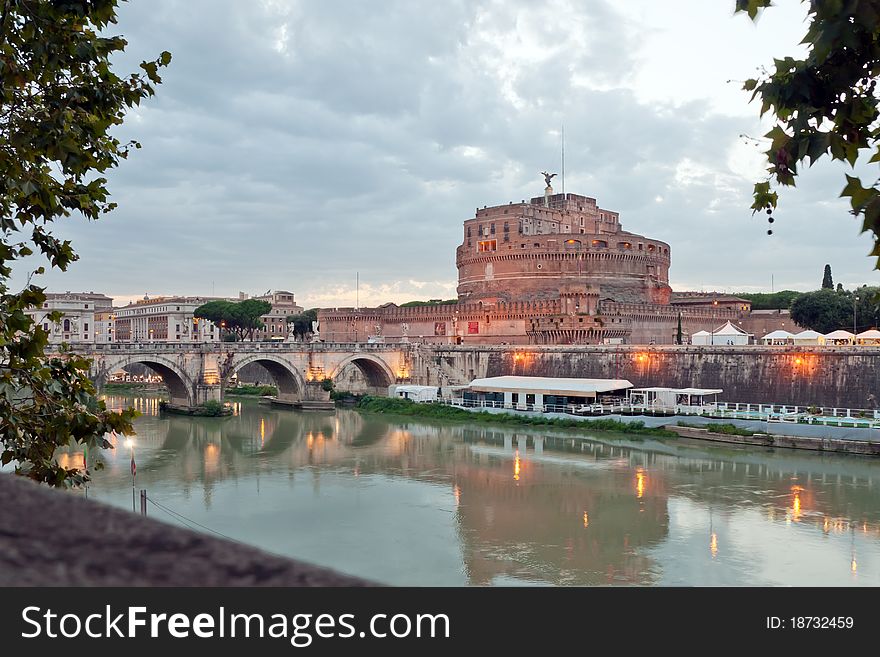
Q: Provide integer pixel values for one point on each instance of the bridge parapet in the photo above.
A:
(236, 347)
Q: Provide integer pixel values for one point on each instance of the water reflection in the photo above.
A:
(406, 502)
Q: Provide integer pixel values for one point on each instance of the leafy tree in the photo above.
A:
(867, 307)
(60, 99)
(825, 103)
(302, 323)
(823, 310)
(840, 287)
(827, 281)
(429, 302)
(774, 301)
(215, 312)
(241, 318)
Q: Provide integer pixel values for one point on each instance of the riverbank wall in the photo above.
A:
(844, 377)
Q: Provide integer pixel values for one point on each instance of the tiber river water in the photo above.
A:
(414, 502)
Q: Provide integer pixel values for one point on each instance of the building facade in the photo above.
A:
(521, 252)
(78, 322)
(556, 270)
(275, 321)
(164, 319)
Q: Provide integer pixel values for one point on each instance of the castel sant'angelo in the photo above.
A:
(557, 269)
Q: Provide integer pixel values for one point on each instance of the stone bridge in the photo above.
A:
(196, 373)
(810, 375)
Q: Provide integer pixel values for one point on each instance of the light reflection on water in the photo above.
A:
(405, 502)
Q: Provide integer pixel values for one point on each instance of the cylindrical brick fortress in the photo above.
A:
(527, 251)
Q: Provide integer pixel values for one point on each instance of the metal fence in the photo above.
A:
(833, 417)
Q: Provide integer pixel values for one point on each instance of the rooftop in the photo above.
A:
(548, 385)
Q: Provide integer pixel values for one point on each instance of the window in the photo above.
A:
(87, 305)
(46, 326)
(492, 229)
(66, 325)
(600, 243)
(487, 245)
(86, 326)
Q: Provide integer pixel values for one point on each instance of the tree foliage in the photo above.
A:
(823, 310)
(302, 323)
(241, 318)
(770, 301)
(60, 99)
(429, 302)
(827, 280)
(825, 104)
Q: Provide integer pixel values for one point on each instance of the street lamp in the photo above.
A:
(855, 301)
(129, 442)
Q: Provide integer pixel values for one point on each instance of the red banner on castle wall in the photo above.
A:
(439, 328)
(473, 327)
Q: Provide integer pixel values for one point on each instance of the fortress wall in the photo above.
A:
(821, 376)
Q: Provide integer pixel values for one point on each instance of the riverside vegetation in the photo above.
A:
(406, 407)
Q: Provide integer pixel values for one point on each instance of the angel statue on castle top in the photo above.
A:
(547, 177)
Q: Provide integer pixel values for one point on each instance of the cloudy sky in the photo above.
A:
(296, 144)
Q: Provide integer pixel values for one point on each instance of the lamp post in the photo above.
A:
(130, 443)
(855, 301)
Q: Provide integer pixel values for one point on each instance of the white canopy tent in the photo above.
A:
(839, 337)
(809, 337)
(730, 335)
(700, 337)
(778, 338)
(870, 337)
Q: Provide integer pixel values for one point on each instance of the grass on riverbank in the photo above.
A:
(722, 427)
(248, 390)
(392, 406)
(124, 387)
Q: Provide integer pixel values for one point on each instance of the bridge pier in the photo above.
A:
(206, 392)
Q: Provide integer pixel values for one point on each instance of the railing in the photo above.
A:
(834, 417)
(244, 347)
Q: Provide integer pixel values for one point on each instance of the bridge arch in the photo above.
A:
(180, 386)
(288, 379)
(375, 370)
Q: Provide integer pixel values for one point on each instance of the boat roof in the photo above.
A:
(548, 385)
(682, 391)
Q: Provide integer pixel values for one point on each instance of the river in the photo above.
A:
(425, 503)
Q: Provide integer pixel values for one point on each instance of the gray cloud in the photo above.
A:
(295, 144)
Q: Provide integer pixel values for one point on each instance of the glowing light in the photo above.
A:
(516, 466)
(262, 430)
(796, 503)
(640, 483)
(129, 442)
(586, 519)
(798, 360)
(518, 357)
(713, 544)
(853, 566)
(456, 491)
